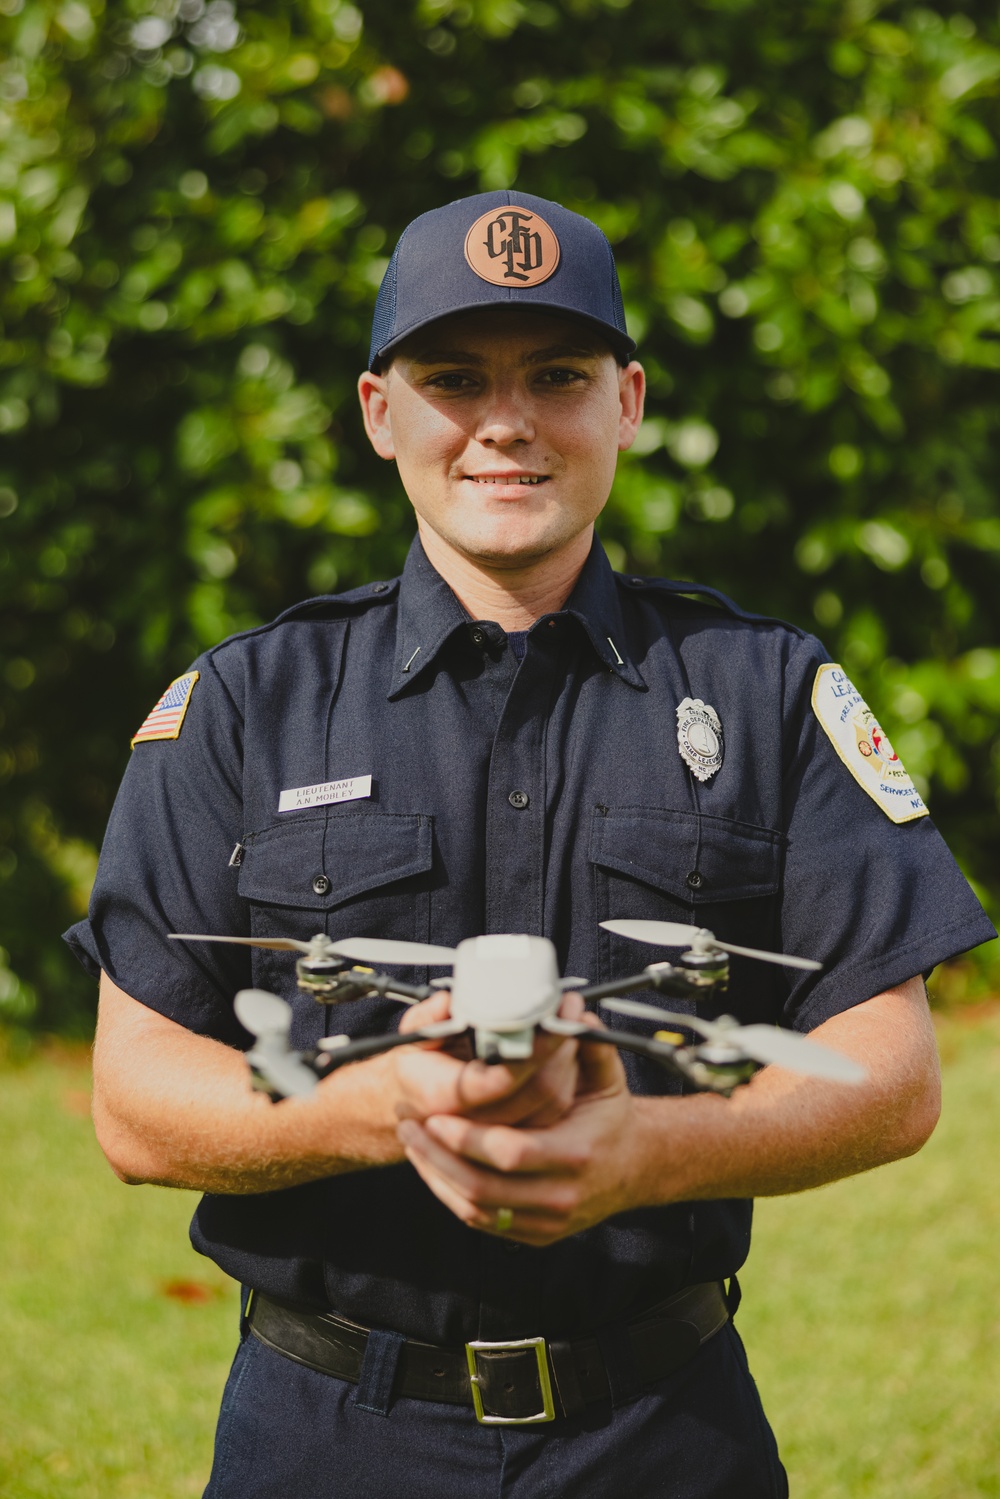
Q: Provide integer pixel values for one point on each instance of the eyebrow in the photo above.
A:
(537, 356)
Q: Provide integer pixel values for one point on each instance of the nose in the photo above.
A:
(505, 418)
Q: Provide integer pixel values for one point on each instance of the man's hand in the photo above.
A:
(555, 1180)
(434, 1081)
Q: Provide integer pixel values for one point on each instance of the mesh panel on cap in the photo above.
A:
(385, 307)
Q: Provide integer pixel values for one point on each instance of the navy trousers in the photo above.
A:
(286, 1432)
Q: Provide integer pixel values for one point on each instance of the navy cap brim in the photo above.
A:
(621, 346)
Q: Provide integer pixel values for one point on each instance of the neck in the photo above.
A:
(516, 595)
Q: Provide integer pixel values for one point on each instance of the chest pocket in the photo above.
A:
(349, 873)
(658, 864)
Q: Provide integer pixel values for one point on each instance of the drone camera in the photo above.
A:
(493, 1047)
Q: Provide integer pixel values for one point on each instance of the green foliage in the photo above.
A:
(196, 207)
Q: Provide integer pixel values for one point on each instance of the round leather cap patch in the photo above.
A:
(512, 247)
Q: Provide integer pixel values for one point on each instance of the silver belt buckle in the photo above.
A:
(548, 1410)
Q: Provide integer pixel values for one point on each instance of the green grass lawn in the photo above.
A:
(109, 1385)
(868, 1311)
(869, 1314)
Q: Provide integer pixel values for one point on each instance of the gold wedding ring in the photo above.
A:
(505, 1220)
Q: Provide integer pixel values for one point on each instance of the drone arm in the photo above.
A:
(663, 1052)
(408, 994)
(643, 1046)
(666, 980)
(332, 1055)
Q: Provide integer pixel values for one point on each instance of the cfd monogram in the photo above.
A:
(508, 235)
(512, 244)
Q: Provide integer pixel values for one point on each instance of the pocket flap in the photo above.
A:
(316, 863)
(695, 859)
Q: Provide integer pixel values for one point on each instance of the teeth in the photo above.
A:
(501, 479)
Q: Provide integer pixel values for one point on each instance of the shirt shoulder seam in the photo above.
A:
(692, 593)
(307, 611)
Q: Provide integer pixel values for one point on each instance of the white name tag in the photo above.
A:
(325, 793)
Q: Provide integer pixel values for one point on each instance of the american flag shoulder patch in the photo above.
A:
(164, 722)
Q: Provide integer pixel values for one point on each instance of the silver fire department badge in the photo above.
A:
(699, 737)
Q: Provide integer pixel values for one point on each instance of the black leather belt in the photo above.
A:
(509, 1383)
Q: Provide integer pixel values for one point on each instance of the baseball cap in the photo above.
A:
(494, 250)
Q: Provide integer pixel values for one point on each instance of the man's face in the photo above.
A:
(506, 426)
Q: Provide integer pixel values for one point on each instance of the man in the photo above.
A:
(549, 746)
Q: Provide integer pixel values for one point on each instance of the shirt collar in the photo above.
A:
(429, 614)
(596, 603)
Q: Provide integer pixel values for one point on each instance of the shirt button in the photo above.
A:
(321, 884)
(380, 588)
(519, 800)
(695, 880)
(478, 637)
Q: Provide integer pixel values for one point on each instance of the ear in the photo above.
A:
(373, 393)
(632, 393)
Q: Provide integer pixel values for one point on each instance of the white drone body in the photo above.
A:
(502, 987)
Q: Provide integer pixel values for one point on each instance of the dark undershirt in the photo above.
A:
(518, 642)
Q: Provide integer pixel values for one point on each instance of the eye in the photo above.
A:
(451, 380)
(561, 376)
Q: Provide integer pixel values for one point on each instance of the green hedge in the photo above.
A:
(196, 206)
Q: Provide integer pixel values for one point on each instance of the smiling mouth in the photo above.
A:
(508, 478)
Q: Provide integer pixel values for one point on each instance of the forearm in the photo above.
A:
(786, 1133)
(177, 1109)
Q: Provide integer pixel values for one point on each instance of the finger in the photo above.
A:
(543, 1097)
(482, 1189)
(470, 1182)
(446, 1192)
(601, 1068)
(572, 1007)
(517, 1090)
(427, 1012)
(534, 1108)
(428, 1081)
(510, 1152)
(535, 1223)
(481, 1085)
(432, 1081)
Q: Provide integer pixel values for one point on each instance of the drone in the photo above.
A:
(504, 988)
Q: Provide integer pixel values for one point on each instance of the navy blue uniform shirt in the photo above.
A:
(781, 848)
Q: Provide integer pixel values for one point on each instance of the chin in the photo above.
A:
(507, 550)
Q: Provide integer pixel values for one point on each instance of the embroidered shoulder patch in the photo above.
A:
(164, 721)
(861, 743)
